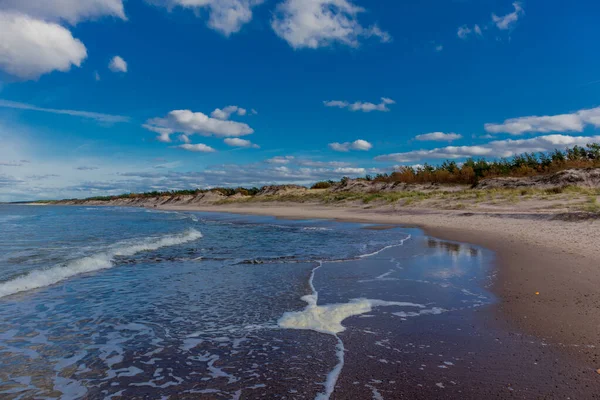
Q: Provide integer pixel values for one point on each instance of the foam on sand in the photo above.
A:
(46, 277)
(328, 319)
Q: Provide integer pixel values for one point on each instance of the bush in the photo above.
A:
(321, 185)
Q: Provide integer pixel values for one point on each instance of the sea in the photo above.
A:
(133, 303)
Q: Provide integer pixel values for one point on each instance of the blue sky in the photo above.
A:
(109, 96)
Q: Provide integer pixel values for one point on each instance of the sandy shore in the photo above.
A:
(548, 271)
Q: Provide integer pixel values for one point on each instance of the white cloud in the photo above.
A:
(497, 148)
(509, 20)
(57, 178)
(105, 118)
(438, 137)
(184, 138)
(336, 103)
(71, 11)
(197, 148)
(439, 48)
(237, 142)
(280, 160)
(350, 171)
(164, 134)
(117, 64)
(361, 106)
(464, 31)
(320, 23)
(574, 122)
(188, 122)
(96, 76)
(359, 144)
(322, 164)
(30, 47)
(225, 16)
(226, 112)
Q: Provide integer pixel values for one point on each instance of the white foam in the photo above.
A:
(328, 319)
(333, 376)
(46, 277)
(385, 248)
(430, 311)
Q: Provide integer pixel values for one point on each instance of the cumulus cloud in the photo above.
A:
(359, 144)
(71, 11)
(164, 134)
(117, 64)
(438, 137)
(225, 16)
(188, 123)
(280, 160)
(226, 112)
(105, 118)
(574, 122)
(86, 168)
(322, 164)
(184, 138)
(509, 20)
(350, 171)
(197, 148)
(320, 23)
(30, 47)
(464, 31)
(497, 148)
(237, 142)
(361, 106)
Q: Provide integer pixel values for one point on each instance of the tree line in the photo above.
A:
(448, 172)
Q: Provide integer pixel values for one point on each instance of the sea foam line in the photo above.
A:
(46, 277)
(328, 319)
(385, 248)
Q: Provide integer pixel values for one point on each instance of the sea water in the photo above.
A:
(107, 302)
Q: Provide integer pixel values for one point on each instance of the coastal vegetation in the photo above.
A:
(568, 180)
(473, 170)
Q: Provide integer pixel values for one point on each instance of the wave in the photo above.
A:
(46, 277)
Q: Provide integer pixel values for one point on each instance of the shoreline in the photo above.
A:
(547, 271)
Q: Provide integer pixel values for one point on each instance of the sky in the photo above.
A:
(103, 97)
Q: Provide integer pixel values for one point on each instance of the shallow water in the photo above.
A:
(103, 302)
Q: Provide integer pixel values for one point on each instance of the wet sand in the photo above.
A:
(547, 279)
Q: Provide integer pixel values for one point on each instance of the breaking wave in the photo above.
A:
(46, 277)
